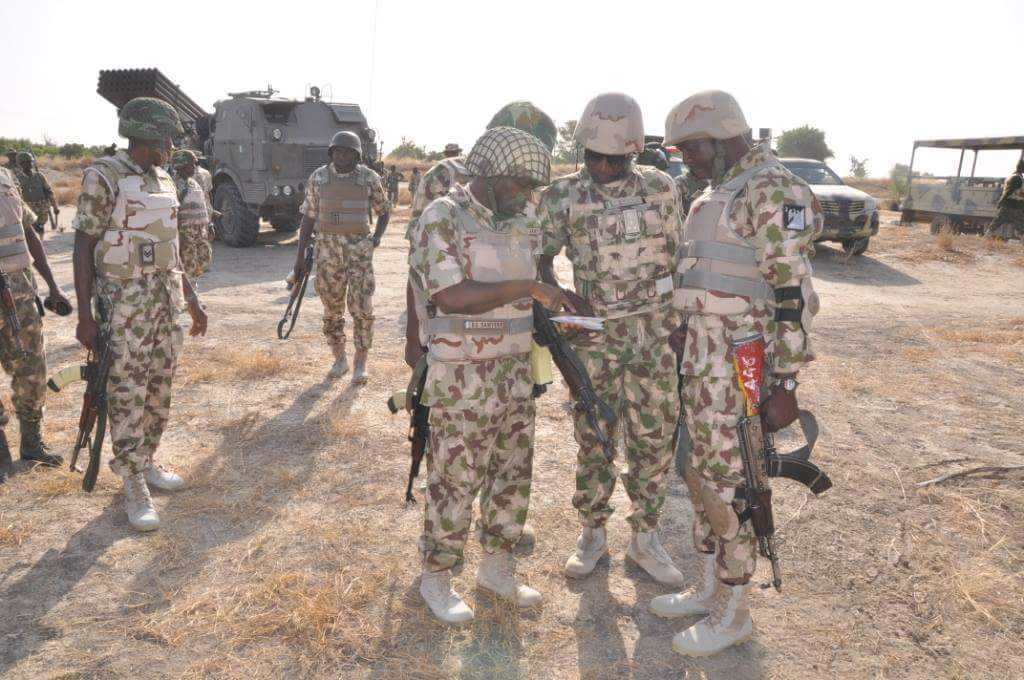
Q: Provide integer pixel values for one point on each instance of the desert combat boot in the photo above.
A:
(33, 447)
(340, 366)
(646, 551)
(446, 604)
(359, 374)
(160, 478)
(137, 502)
(728, 624)
(694, 600)
(497, 573)
(591, 546)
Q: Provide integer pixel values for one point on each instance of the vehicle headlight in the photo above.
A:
(276, 191)
(277, 134)
(287, 190)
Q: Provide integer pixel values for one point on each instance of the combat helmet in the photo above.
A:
(528, 118)
(453, 148)
(150, 119)
(509, 152)
(345, 139)
(712, 113)
(611, 124)
(26, 156)
(183, 157)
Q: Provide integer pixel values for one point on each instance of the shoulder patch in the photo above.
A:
(793, 217)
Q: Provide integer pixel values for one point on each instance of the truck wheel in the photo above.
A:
(856, 246)
(238, 225)
(285, 224)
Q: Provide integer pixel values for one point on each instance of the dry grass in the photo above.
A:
(234, 362)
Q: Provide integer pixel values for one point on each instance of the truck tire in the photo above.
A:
(285, 225)
(238, 226)
(856, 246)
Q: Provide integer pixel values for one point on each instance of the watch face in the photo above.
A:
(789, 384)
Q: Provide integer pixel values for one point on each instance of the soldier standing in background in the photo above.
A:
(394, 177)
(27, 369)
(744, 272)
(339, 197)
(126, 255)
(414, 182)
(1009, 220)
(619, 224)
(36, 190)
(12, 161)
(193, 218)
(479, 271)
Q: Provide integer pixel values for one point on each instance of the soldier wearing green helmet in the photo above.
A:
(126, 262)
(36, 191)
(193, 216)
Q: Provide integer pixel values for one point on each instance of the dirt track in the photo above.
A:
(291, 554)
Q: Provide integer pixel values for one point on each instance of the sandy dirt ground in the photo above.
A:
(291, 553)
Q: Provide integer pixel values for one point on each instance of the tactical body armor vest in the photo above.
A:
(193, 205)
(33, 189)
(491, 256)
(344, 204)
(631, 268)
(142, 237)
(13, 250)
(719, 269)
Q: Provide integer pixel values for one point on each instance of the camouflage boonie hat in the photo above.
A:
(149, 118)
(508, 152)
(711, 113)
(452, 147)
(25, 156)
(528, 118)
(183, 157)
(611, 124)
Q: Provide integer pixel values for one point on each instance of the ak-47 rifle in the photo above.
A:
(298, 291)
(92, 423)
(11, 312)
(419, 420)
(760, 459)
(575, 374)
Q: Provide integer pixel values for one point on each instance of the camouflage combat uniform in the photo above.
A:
(344, 261)
(27, 371)
(37, 194)
(623, 256)
(478, 387)
(414, 183)
(193, 228)
(776, 218)
(140, 284)
(1009, 220)
(393, 178)
(205, 180)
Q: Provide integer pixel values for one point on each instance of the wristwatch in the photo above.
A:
(789, 383)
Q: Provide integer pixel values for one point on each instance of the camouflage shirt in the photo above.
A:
(782, 255)
(28, 217)
(206, 182)
(434, 183)
(311, 205)
(435, 259)
(35, 189)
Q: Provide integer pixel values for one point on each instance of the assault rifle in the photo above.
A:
(419, 420)
(575, 374)
(760, 459)
(11, 312)
(298, 290)
(92, 423)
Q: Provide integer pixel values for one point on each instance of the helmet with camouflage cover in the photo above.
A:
(452, 148)
(528, 118)
(509, 152)
(611, 124)
(150, 119)
(26, 156)
(711, 113)
(183, 157)
(344, 139)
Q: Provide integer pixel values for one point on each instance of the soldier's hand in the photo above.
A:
(780, 408)
(298, 271)
(86, 332)
(198, 315)
(414, 351)
(677, 340)
(551, 297)
(58, 302)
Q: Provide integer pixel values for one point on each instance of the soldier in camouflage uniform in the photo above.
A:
(12, 160)
(339, 197)
(1009, 220)
(744, 271)
(619, 224)
(477, 262)
(393, 178)
(36, 190)
(126, 257)
(414, 182)
(193, 218)
(27, 369)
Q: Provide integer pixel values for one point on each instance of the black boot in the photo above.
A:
(5, 458)
(32, 446)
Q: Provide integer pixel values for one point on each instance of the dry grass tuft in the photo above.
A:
(12, 532)
(234, 362)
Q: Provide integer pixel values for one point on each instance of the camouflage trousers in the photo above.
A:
(42, 211)
(641, 388)
(145, 341)
(1008, 223)
(28, 370)
(485, 450)
(344, 273)
(196, 250)
(713, 471)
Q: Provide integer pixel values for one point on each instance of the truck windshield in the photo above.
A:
(814, 173)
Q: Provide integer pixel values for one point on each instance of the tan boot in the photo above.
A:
(163, 479)
(497, 573)
(527, 540)
(646, 551)
(340, 366)
(696, 599)
(728, 624)
(444, 602)
(359, 374)
(591, 546)
(138, 504)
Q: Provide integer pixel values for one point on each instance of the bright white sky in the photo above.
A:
(873, 75)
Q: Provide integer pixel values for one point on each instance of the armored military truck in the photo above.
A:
(259, 148)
